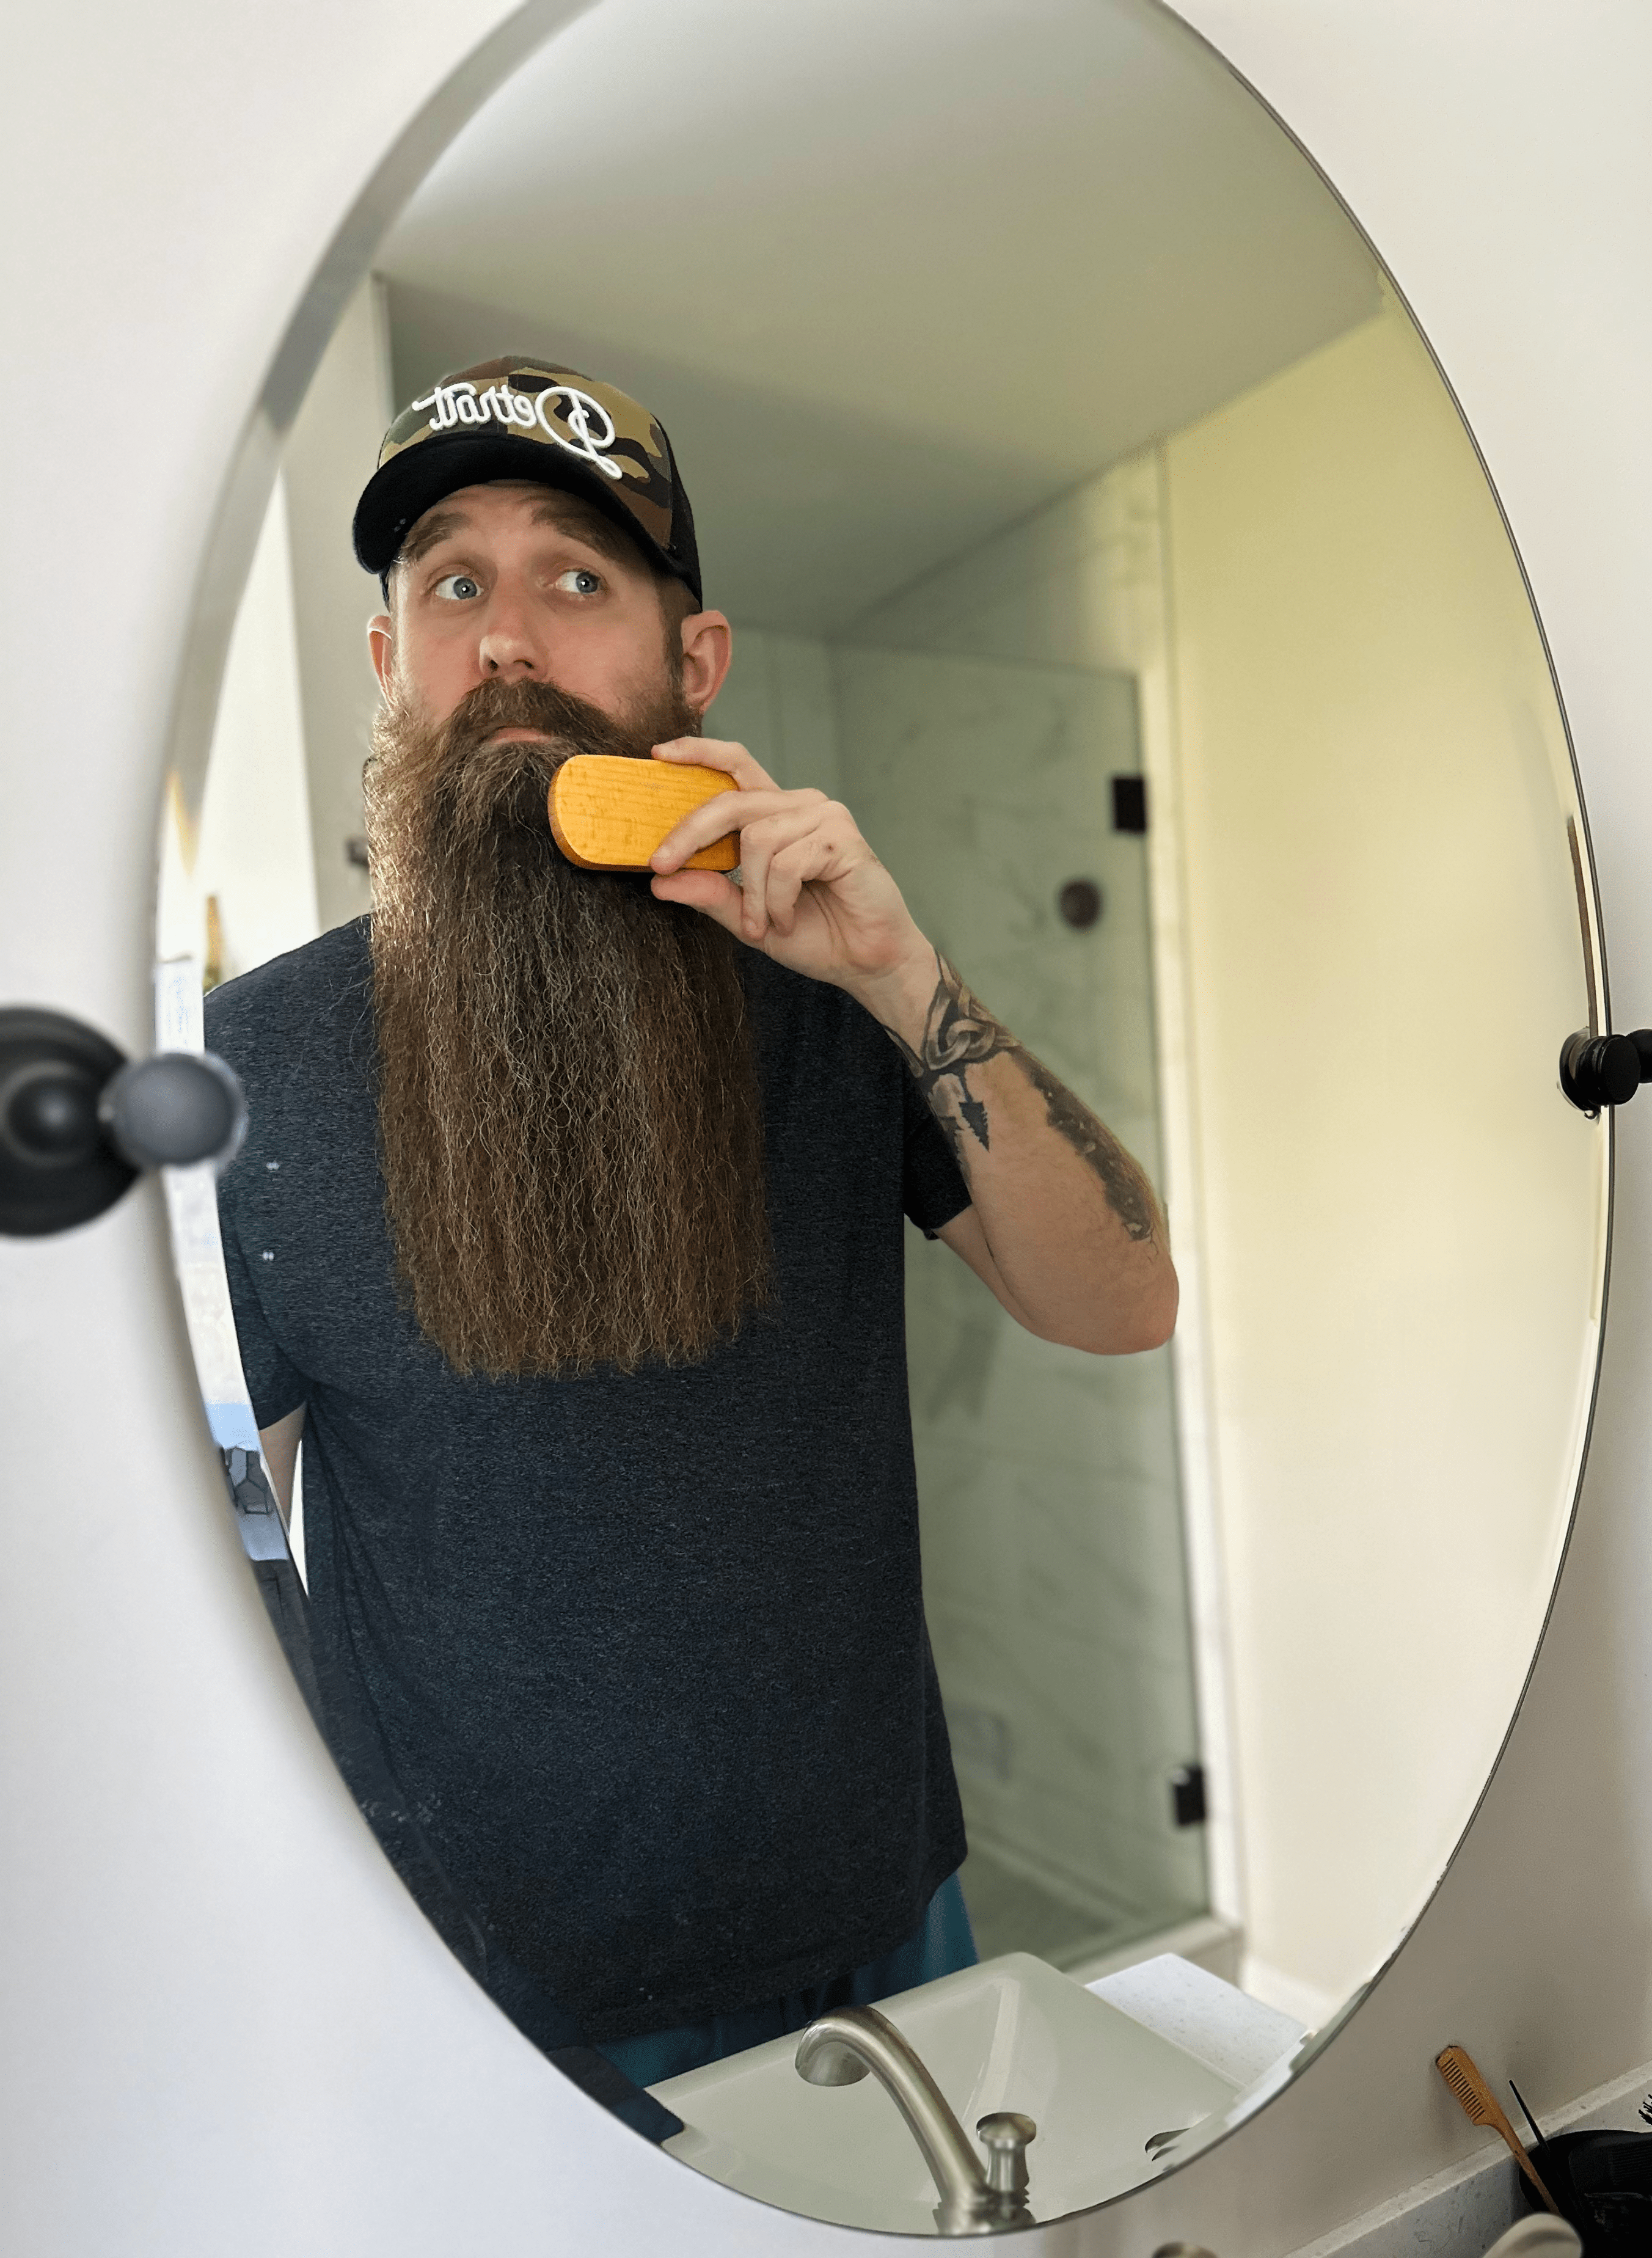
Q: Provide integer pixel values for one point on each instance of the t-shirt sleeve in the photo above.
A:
(274, 1383)
(933, 1190)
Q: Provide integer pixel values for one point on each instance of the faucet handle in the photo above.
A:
(1004, 2135)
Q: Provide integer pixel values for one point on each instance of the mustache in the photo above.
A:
(468, 781)
(474, 780)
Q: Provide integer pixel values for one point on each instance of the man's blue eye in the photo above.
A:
(459, 586)
(578, 582)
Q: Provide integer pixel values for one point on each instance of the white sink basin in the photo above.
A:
(1012, 2034)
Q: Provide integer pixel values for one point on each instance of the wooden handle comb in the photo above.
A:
(1479, 2105)
(610, 813)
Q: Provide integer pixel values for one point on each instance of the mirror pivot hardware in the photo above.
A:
(79, 1122)
(1596, 1070)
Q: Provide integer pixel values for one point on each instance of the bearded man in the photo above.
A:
(568, 1229)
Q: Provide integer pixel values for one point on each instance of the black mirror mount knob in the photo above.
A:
(55, 1168)
(1600, 1071)
(78, 1123)
(48, 1113)
(174, 1110)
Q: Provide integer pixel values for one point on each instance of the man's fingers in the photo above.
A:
(792, 831)
(787, 841)
(789, 871)
(753, 885)
(717, 753)
(702, 890)
(787, 876)
(716, 817)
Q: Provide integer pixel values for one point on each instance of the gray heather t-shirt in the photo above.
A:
(646, 1656)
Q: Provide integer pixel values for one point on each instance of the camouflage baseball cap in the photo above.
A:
(518, 417)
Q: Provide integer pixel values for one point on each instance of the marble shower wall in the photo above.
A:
(780, 700)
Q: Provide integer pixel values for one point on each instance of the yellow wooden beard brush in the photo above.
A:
(1479, 2104)
(611, 813)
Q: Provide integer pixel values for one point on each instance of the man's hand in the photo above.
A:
(813, 894)
(1062, 1225)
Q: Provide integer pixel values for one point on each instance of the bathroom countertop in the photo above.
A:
(1218, 2024)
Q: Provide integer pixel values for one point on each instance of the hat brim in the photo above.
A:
(401, 491)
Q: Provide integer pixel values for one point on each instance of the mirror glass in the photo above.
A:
(1096, 529)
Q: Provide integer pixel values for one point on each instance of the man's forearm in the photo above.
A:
(1074, 1234)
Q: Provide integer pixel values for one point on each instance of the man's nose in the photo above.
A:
(508, 644)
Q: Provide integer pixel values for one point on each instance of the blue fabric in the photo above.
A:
(943, 1942)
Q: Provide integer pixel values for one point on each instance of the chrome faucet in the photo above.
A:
(839, 2048)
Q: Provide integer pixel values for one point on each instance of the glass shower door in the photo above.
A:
(1007, 798)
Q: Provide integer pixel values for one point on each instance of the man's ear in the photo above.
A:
(381, 649)
(708, 643)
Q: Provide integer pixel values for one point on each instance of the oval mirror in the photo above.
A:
(737, 1621)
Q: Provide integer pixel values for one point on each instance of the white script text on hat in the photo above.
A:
(461, 403)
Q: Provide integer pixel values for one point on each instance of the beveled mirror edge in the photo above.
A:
(226, 560)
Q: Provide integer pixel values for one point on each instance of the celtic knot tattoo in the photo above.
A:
(960, 1033)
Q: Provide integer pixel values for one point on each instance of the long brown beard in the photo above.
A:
(570, 1124)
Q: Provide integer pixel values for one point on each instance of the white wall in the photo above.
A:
(330, 456)
(251, 855)
(1402, 1217)
(171, 2046)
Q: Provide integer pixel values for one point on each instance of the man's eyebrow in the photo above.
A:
(428, 532)
(587, 526)
(568, 517)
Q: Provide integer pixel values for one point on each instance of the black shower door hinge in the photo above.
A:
(1186, 1795)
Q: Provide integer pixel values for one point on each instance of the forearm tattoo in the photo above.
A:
(960, 1033)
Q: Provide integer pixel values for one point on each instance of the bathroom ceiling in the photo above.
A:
(891, 272)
